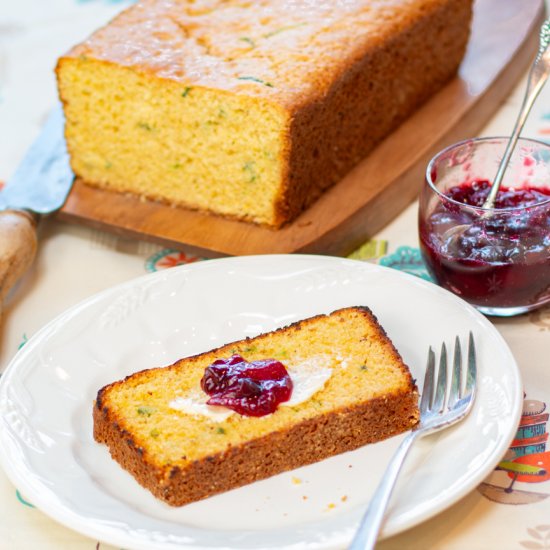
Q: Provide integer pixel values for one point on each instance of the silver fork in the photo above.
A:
(441, 405)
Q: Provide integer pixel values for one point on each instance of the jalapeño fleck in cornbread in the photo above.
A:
(183, 456)
(250, 109)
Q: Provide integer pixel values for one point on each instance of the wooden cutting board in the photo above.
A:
(504, 42)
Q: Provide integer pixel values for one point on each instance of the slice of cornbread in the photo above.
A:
(250, 109)
(182, 457)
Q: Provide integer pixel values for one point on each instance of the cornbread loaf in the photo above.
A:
(182, 457)
(250, 109)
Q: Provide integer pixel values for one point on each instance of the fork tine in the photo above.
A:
(456, 381)
(427, 388)
(472, 368)
(441, 388)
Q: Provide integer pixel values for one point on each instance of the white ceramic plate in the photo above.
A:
(46, 395)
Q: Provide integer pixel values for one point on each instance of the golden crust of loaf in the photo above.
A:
(300, 48)
(369, 397)
(341, 75)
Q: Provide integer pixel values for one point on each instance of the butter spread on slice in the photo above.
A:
(194, 403)
(308, 377)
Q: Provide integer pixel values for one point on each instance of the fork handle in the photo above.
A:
(366, 535)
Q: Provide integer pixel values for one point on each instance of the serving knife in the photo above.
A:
(39, 186)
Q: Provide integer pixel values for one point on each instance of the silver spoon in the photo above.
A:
(540, 70)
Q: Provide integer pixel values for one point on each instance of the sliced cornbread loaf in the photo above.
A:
(250, 109)
(181, 457)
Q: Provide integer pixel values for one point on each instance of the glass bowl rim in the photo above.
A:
(431, 184)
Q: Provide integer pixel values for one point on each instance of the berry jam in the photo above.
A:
(492, 260)
(251, 389)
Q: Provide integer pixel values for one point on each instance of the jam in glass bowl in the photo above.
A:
(496, 259)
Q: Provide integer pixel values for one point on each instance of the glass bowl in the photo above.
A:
(496, 259)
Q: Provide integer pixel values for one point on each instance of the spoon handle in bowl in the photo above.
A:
(538, 75)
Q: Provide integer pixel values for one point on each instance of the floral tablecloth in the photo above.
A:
(507, 511)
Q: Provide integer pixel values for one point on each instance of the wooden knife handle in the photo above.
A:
(17, 248)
